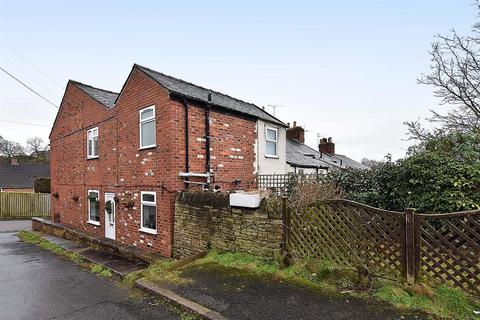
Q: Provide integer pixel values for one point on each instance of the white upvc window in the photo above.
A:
(147, 127)
(93, 207)
(92, 143)
(271, 142)
(148, 212)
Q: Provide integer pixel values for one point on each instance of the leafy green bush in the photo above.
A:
(439, 175)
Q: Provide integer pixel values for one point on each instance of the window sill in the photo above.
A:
(272, 157)
(150, 231)
(95, 223)
(91, 158)
(147, 147)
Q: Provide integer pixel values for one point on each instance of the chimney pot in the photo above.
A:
(326, 146)
(296, 133)
(14, 162)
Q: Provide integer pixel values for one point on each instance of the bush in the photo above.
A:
(439, 175)
(42, 185)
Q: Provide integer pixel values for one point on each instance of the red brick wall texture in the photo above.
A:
(123, 169)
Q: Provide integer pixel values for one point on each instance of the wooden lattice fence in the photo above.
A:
(441, 248)
(450, 249)
(350, 234)
(282, 184)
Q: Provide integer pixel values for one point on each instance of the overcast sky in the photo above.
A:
(345, 69)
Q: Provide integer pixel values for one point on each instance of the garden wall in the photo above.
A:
(206, 221)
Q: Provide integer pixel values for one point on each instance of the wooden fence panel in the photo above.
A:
(450, 249)
(14, 205)
(350, 234)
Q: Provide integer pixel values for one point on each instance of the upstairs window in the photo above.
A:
(147, 128)
(149, 212)
(93, 207)
(92, 143)
(271, 138)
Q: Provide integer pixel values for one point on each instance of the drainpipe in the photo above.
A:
(207, 137)
(187, 164)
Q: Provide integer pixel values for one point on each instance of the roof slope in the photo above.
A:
(21, 176)
(105, 97)
(303, 156)
(193, 91)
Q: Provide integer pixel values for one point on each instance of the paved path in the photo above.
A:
(37, 284)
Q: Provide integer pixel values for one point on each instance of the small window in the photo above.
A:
(92, 143)
(147, 128)
(93, 207)
(271, 137)
(149, 212)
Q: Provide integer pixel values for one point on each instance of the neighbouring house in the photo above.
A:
(118, 159)
(304, 159)
(20, 177)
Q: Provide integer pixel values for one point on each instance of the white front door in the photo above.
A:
(110, 215)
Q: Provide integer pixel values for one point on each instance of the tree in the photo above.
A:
(10, 149)
(455, 77)
(35, 146)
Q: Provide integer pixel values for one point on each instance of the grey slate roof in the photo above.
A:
(22, 176)
(105, 97)
(302, 156)
(195, 92)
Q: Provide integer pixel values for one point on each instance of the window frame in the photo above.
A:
(93, 156)
(148, 203)
(142, 121)
(269, 140)
(94, 222)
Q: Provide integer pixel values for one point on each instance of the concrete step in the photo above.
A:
(117, 265)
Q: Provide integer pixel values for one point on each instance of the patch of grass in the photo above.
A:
(240, 261)
(159, 272)
(445, 302)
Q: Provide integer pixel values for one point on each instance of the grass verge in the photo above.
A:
(36, 239)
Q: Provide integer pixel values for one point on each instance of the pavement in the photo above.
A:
(37, 284)
(237, 294)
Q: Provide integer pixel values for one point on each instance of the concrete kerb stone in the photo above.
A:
(179, 301)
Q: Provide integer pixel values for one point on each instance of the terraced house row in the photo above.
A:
(118, 159)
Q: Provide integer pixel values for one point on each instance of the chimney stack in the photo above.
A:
(14, 162)
(326, 146)
(296, 133)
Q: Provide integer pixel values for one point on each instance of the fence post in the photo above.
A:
(285, 230)
(411, 246)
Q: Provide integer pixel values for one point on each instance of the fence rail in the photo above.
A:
(442, 248)
(14, 205)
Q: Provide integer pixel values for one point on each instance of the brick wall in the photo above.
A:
(205, 220)
(124, 169)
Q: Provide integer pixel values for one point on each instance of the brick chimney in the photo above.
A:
(14, 162)
(326, 146)
(296, 133)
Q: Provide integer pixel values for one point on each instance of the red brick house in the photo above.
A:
(117, 159)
